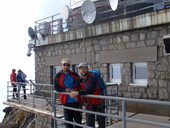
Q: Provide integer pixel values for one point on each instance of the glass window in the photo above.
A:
(140, 73)
(74, 68)
(115, 73)
(55, 70)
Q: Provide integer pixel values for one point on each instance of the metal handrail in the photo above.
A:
(123, 116)
(54, 104)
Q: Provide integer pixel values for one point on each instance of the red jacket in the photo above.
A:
(60, 86)
(13, 78)
(90, 86)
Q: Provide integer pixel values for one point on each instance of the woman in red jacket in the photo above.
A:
(13, 82)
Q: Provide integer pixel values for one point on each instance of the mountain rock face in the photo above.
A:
(16, 118)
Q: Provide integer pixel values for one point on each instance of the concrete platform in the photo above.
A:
(131, 124)
(42, 108)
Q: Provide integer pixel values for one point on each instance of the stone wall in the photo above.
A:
(158, 71)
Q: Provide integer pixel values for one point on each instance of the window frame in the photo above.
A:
(142, 82)
(111, 78)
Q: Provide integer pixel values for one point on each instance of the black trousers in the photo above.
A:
(24, 89)
(14, 90)
(91, 117)
(73, 116)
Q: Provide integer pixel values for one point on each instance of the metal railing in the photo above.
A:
(39, 91)
(126, 8)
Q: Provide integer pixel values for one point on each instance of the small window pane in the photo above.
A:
(141, 73)
(115, 73)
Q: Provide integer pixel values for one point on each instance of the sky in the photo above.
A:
(16, 17)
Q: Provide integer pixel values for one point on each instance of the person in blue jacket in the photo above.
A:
(21, 81)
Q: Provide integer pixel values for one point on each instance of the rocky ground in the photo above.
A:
(16, 118)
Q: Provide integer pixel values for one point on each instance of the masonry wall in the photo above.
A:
(94, 50)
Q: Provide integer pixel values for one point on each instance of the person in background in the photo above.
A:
(89, 85)
(13, 82)
(21, 80)
(66, 81)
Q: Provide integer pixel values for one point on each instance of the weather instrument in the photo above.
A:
(88, 11)
(113, 4)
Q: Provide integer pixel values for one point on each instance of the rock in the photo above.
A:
(16, 118)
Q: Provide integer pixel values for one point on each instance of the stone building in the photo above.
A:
(128, 50)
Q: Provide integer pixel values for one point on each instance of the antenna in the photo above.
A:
(34, 35)
(65, 12)
(113, 4)
(88, 11)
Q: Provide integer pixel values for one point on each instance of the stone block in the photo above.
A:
(151, 75)
(161, 75)
(142, 36)
(163, 94)
(127, 94)
(137, 95)
(152, 93)
(162, 83)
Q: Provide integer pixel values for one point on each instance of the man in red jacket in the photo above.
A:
(13, 82)
(66, 81)
(89, 85)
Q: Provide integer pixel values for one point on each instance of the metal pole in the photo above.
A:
(124, 4)
(19, 87)
(33, 98)
(123, 114)
(54, 109)
(8, 90)
(30, 88)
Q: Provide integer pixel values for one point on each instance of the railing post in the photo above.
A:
(124, 10)
(54, 109)
(30, 88)
(33, 98)
(123, 114)
(8, 90)
(18, 91)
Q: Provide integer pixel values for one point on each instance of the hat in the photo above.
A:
(82, 64)
(63, 61)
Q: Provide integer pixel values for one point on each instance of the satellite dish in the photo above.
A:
(65, 12)
(88, 11)
(31, 33)
(39, 36)
(113, 4)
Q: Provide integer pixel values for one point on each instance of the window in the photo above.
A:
(55, 70)
(74, 68)
(140, 73)
(115, 73)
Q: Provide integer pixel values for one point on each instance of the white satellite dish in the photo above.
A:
(65, 11)
(39, 36)
(88, 11)
(113, 4)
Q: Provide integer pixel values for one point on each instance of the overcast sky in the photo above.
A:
(16, 17)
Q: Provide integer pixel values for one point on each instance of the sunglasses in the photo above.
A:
(68, 65)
